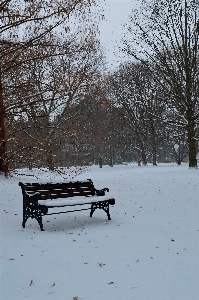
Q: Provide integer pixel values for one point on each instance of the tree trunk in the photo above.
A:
(100, 162)
(192, 145)
(144, 159)
(49, 160)
(143, 154)
(111, 161)
(3, 156)
(153, 137)
(139, 162)
(154, 155)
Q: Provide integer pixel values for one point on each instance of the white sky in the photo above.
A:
(116, 13)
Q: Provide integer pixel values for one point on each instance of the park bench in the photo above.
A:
(38, 198)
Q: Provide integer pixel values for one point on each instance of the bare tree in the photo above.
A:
(166, 35)
(61, 91)
(27, 31)
(139, 99)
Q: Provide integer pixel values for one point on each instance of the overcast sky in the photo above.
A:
(116, 13)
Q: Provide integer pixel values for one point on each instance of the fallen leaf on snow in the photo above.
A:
(101, 265)
(31, 282)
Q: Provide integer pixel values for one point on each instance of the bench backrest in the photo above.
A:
(59, 190)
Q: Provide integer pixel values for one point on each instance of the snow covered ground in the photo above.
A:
(148, 251)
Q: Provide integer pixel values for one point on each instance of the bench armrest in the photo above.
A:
(29, 197)
(101, 192)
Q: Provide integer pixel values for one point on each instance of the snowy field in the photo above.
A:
(148, 251)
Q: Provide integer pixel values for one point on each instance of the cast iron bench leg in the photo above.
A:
(39, 220)
(102, 205)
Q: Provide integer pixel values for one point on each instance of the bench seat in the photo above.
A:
(71, 201)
